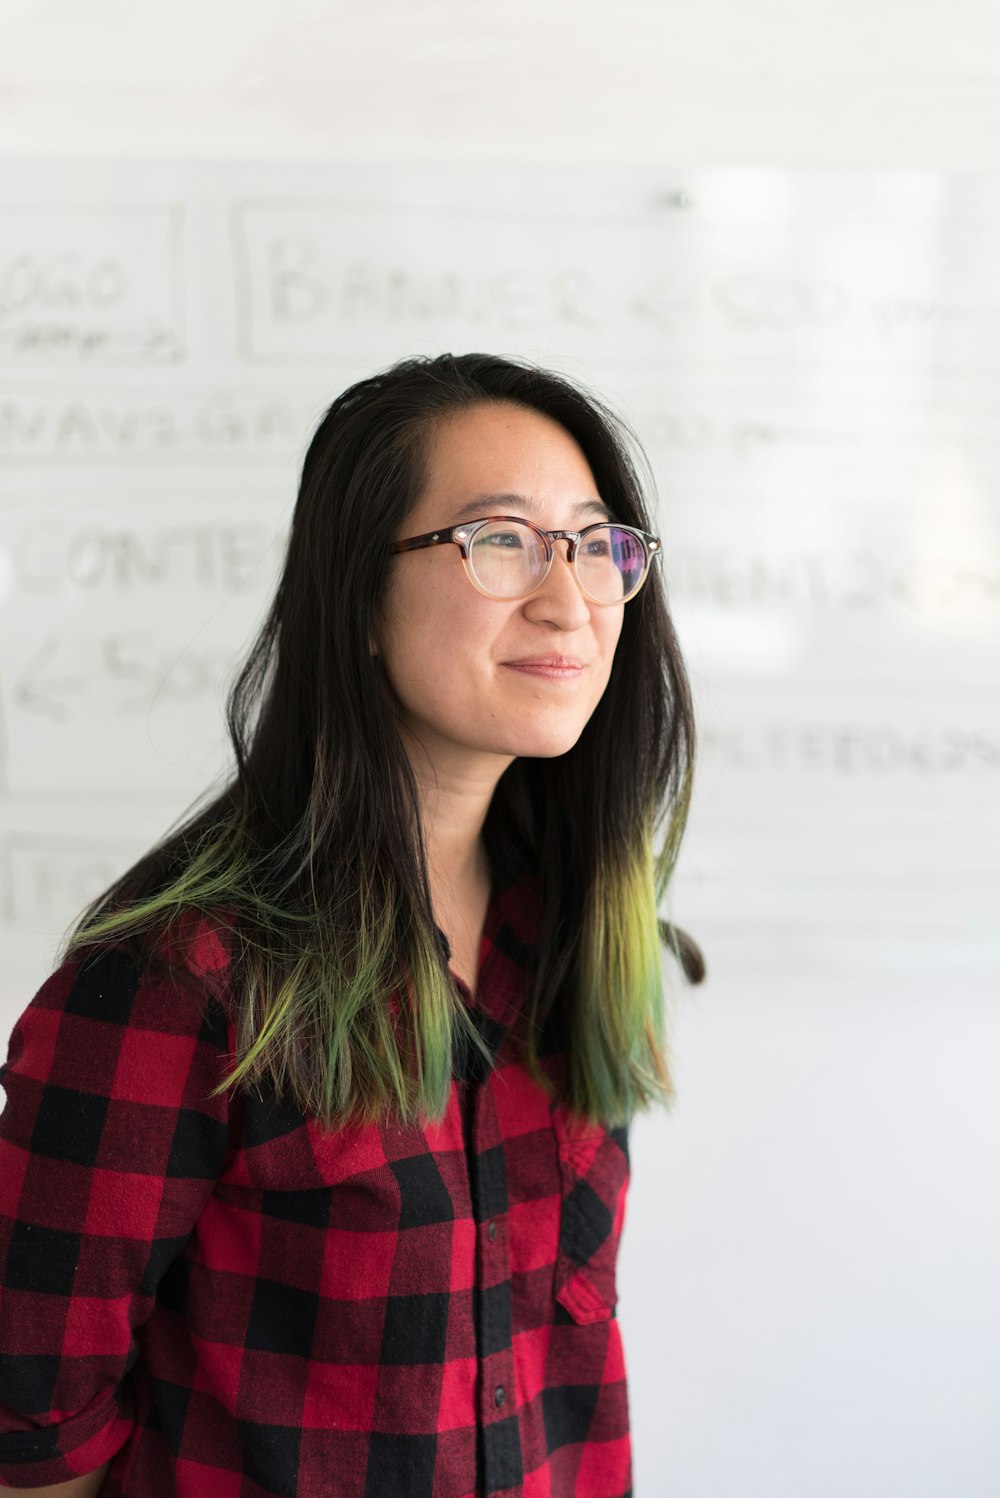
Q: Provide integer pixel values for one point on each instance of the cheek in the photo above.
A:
(609, 644)
(612, 634)
(435, 647)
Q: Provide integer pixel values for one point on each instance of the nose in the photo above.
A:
(560, 595)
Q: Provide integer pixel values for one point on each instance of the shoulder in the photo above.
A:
(198, 948)
(157, 1005)
(117, 1068)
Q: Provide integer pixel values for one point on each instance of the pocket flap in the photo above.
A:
(594, 1170)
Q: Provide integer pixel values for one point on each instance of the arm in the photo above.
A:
(77, 1487)
(110, 1145)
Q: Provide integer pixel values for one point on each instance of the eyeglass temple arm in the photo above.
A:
(414, 543)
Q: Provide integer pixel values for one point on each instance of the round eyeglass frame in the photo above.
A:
(463, 536)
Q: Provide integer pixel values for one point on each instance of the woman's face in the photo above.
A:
(446, 648)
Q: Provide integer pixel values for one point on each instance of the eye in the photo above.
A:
(598, 546)
(503, 540)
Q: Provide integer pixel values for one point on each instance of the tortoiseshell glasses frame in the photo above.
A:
(463, 537)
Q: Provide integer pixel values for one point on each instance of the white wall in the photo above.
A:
(776, 83)
(808, 1291)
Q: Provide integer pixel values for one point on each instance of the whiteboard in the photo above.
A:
(811, 362)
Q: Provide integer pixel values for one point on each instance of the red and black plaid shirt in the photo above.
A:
(226, 1300)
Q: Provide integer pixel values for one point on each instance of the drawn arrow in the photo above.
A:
(41, 696)
(662, 310)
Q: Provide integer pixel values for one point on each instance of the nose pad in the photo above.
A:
(560, 556)
(564, 558)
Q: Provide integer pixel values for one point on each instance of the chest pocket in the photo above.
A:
(594, 1176)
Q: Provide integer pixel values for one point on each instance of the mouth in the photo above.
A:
(557, 662)
(553, 670)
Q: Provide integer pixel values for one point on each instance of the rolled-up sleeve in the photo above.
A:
(110, 1144)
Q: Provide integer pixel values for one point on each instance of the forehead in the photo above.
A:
(503, 459)
(510, 502)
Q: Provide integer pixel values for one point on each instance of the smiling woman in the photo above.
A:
(471, 721)
(315, 1152)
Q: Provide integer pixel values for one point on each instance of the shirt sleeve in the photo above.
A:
(109, 1147)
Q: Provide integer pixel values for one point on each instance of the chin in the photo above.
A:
(544, 745)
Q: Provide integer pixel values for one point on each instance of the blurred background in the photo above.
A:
(769, 237)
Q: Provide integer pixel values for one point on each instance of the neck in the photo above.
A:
(456, 853)
(454, 801)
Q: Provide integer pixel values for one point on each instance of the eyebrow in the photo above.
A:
(485, 503)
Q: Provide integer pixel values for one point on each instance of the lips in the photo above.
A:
(543, 670)
(556, 662)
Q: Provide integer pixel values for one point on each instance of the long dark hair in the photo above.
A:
(311, 860)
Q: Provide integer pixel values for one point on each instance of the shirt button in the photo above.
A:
(492, 1231)
(499, 1396)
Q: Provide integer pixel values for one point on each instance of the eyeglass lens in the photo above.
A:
(509, 560)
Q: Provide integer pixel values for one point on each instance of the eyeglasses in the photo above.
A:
(506, 557)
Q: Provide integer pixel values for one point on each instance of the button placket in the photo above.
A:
(502, 1457)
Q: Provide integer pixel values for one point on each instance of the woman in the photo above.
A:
(315, 1150)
